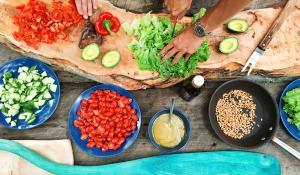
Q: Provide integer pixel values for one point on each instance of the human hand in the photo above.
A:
(178, 8)
(85, 7)
(185, 44)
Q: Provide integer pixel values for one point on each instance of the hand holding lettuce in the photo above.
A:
(152, 33)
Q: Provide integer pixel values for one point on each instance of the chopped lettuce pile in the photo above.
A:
(292, 106)
(152, 33)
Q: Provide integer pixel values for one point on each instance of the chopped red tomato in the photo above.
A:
(106, 119)
(37, 24)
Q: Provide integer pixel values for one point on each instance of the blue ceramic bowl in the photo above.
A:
(45, 112)
(187, 135)
(292, 129)
(75, 132)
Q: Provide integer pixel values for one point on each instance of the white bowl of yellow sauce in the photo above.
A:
(169, 135)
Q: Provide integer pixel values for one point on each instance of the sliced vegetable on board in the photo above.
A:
(107, 24)
(229, 45)
(111, 59)
(90, 52)
(37, 24)
(238, 25)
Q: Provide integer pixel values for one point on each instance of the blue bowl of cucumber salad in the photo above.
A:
(29, 93)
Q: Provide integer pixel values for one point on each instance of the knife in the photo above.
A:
(174, 21)
(260, 49)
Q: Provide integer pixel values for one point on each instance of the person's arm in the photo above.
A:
(186, 43)
(221, 12)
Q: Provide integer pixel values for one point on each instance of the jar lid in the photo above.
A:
(198, 81)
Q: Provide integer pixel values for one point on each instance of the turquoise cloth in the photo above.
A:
(202, 163)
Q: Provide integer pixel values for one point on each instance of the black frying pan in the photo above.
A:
(266, 111)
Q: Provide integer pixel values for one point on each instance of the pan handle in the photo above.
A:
(287, 147)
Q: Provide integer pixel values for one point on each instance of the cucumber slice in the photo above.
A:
(229, 45)
(90, 52)
(111, 59)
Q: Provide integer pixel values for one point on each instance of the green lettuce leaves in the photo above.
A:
(292, 106)
(152, 33)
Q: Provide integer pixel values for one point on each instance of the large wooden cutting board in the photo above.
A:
(281, 58)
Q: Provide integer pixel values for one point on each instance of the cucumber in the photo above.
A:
(237, 25)
(111, 59)
(90, 52)
(24, 94)
(229, 45)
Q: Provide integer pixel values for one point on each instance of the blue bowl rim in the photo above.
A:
(283, 114)
(139, 114)
(187, 136)
(58, 88)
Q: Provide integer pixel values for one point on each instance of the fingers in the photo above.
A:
(90, 7)
(177, 57)
(182, 14)
(78, 6)
(166, 48)
(187, 56)
(169, 54)
(95, 4)
(84, 5)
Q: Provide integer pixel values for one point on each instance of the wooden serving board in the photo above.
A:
(281, 58)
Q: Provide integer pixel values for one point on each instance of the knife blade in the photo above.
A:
(174, 21)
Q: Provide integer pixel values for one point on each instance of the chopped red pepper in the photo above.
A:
(107, 24)
(37, 24)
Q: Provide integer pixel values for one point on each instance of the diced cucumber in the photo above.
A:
(31, 95)
(29, 84)
(44, 74)
(12, 112)
(11, 101)
(36, 77)
(25, 115)
(29, 91)
(16, 97)
(8, 120)
(53, 87)
(1, 89)
(13, 123)
(48, 80)
(11, 90)
(37, 83)
(22, 76)
(47, 95)
(29, 78)
(39, 103)
(31, 119)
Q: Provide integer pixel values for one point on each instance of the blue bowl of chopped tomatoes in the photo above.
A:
(104, 120)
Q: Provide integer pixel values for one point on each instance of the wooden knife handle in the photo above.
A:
(285, 12)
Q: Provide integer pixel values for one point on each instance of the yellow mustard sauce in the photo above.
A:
(168, 133)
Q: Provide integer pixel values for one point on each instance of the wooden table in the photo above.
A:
(150, 101)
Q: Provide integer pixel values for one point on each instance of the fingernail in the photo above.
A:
(85, 17)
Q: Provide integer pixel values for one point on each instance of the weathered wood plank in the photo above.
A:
(203, 138)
